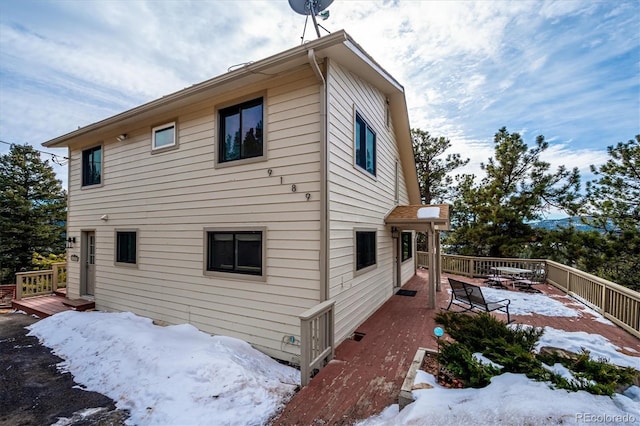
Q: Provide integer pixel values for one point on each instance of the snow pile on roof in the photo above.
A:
(168, 375)
(429, 213)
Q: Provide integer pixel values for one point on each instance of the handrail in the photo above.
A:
(38, 283)
(317, 338)
(617, 303)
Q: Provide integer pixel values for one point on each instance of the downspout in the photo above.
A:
(324, 185)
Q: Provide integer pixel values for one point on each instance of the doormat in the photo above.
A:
(410, 293)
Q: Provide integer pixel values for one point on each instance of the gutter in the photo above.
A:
(324, 184)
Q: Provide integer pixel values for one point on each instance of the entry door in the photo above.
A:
(89, 259)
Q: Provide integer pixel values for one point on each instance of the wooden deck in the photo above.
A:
(366, 375)
(45, 306)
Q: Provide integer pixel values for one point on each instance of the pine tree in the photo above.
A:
(32, 210)
(614, 206)
(491, 218)
(433, 172)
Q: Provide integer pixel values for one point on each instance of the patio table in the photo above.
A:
(512, 273)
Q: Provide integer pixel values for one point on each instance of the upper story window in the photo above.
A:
(241, 131)
(163, 136)
(92, 166)
(365, 139)
(407, 246)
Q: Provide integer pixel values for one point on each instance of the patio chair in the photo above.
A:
(497, 280)
(470, 297)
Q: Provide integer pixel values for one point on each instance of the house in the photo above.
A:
(238, 203)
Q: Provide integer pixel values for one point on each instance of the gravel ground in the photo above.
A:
(34, 392)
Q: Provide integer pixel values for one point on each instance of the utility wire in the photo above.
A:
(60, 160)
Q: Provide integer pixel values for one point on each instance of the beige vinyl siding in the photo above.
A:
(170, 197)
(357, 200)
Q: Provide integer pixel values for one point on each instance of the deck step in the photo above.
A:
(79, 304)
(62, 292)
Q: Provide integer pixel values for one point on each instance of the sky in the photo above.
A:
(226, 381)
(568, 70)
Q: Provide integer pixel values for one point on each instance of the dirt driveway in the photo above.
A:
(33, 392)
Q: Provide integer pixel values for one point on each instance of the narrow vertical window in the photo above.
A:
(92, 166)
(396, 184)
(365, 145)
(407, 246)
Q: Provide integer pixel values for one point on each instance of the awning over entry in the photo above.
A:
(430, 219)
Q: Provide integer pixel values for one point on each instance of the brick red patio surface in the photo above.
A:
(366, 376)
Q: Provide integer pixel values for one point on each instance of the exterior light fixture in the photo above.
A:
(71, 241)
(394, 232)
(121, 137)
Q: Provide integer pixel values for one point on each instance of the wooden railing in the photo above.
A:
(317, 340)
(618, 304)
(38, 283)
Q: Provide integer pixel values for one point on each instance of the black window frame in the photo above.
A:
(230, 111)
(407, 246)
(365, 257)
(235, 266)
(92, 174)
(127, 247)
(360, 148)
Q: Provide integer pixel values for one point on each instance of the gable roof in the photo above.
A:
(338, 46)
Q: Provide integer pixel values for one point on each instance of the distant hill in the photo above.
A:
(563, 223)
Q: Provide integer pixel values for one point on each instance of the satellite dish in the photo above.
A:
(304, 7)
(311, 7)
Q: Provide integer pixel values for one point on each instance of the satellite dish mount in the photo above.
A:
(313, 8)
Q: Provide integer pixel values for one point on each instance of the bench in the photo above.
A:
(470, 297)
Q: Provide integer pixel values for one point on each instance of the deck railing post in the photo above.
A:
(18, 286)
(54, 277)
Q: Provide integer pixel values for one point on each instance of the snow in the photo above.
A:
(168, 375)
(428, 212)
(510, 399)
(598, 346)
(530, 303)
(484, 360)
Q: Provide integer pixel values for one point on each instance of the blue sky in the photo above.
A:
(567, 70)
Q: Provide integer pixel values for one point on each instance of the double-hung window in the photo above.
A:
(365, 141)
(365, 249)
(163, 136)
(241, 133)
(126, 247)
(237, 252)
(92, 166)
(407, 246)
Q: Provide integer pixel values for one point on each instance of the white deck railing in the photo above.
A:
(317, 339)
(38, 283)
(617, 303)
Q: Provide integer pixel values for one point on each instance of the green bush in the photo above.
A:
(512, 348)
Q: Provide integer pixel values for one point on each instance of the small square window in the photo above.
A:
(238, 252)
(241, 133)
(126, 250)
(407, 246)
(365, 145)
(92, 166)
(365, 249)
(163, 136)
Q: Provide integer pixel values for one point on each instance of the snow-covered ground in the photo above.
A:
(174, 375)
(514, 399)
(178, 375)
